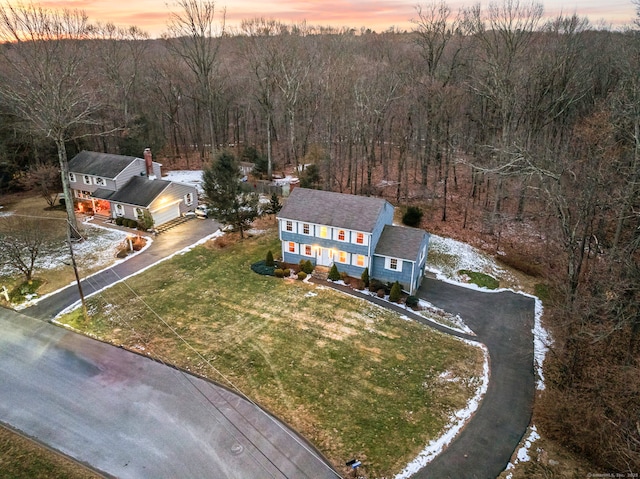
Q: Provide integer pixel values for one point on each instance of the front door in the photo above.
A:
(324, 257)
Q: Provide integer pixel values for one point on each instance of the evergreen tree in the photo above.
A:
(334, 274)
(274, 205)
(396, 292)
(222, 187)
(269, 260)
(365, 277)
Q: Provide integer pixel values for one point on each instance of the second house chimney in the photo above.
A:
(148, 161)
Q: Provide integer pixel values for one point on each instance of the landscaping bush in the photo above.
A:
(261, 268)
(119, 220)
(412, 216)
(131, 223)
(334, 274)
(306, 266)
(269, 260)
(365, 277)
(380, 293)
(286, 272)
(376, 285)
(412, 301)
(302, 275)
(279, 273)
(396, 293)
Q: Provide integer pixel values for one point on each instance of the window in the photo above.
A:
(393, 264)
(86, 179)
(323, 232)
(292, 247)
(289, 226)
(307, 250)
(99, 181)
(72, 177)
(360, 238)
(188, 199)
(360, 260)
(138, 213)
(85, 195)
(341, 235)
(342, 257)
(119, 210)
(305, 229)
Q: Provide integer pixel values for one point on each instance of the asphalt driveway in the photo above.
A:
(503, 322)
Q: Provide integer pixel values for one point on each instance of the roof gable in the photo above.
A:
(328, 208)
(104, 165)
(400, 242)
(139, 191)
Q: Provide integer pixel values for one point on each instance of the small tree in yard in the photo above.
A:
(334, 274)
(396, 292)
(23, 240)
(413, 216)
(269, 260)
(45, 179)
(222, 186)
(274, 205)
(365, 277)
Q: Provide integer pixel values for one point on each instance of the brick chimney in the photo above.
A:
(148, 161)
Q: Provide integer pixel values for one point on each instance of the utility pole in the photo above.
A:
(75, 270)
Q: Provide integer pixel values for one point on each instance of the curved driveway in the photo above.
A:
(128, 416)
(503, 322)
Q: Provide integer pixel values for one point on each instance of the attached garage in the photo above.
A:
(166, 213)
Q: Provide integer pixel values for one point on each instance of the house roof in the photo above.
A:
(400, 242)
(139, 191)
(93, 163)
(340, 210)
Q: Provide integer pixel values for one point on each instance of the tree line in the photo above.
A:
(522, 131)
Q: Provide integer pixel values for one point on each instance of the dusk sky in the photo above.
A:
(152, 15)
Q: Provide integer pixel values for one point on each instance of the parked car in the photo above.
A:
(202, 212)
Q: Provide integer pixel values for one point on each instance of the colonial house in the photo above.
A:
(129, 187)
(354, 233)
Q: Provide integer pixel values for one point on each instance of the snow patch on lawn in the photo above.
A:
(188, 177)
(523, 453)
(457, 422)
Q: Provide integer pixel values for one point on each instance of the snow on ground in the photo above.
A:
(193, 178)
(523, 453)
(458, 421)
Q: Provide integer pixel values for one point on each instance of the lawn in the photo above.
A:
(354, 379)
(21, 458)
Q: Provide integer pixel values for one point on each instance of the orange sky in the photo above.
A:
(379, 15)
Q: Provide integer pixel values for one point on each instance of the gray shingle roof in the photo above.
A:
(340, 210)
(400, 242)
(105, 165)
(139, 191)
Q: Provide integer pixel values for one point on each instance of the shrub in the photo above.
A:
(131, 223)
(412, 216)
(119, 220)
(381, 292)
(269, 260)
(396, 292)
(306, 266)
(365, 277)
(375, 285)
(302, 275)
(286, 272)
(334, 274)
(279, 273)
(262, 268)
(412, 301)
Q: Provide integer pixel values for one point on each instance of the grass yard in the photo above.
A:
(355, 379)
(21, 458)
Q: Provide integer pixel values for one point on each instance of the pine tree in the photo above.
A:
(334, 274)
(269, 260)
(396, 292)
(365, 277)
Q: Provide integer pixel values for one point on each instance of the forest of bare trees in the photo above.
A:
(514, 132)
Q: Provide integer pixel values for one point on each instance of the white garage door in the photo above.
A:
(165, 214)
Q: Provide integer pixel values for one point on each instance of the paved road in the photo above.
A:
(503, 322)
(131, 417)
(128, 416)
(163, 246)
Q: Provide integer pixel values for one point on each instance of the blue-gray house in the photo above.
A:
(353, 232)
